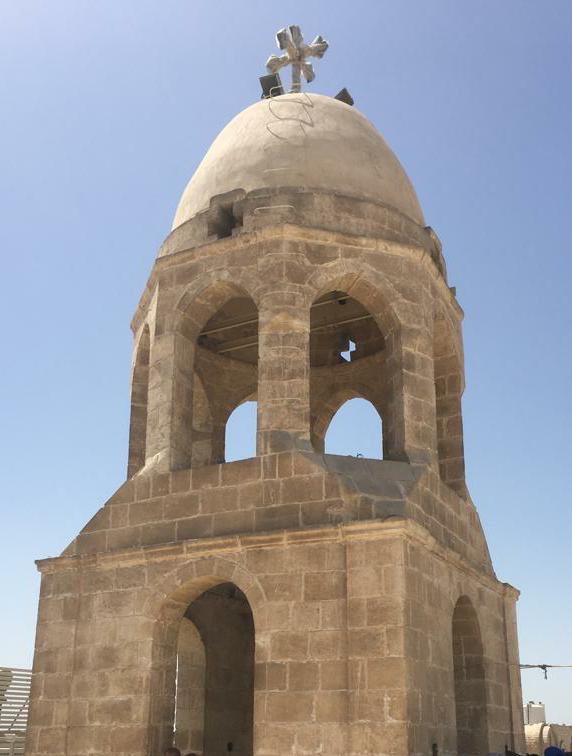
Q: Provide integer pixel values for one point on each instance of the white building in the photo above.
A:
(534, 713)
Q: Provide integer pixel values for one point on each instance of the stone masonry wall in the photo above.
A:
(352, 568)
(353, 641)
(286, 490)
(283, 269)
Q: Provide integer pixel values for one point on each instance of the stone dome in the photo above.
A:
(301, 140)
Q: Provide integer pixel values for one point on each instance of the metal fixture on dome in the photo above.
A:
(296, 54)
(271, 85)
(344, 96)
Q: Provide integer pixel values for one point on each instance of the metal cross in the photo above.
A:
(291, 40)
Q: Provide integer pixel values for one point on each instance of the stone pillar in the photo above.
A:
(170, 402)
(449, 383)
(377, 647)
(283, 361)
(91, 680)
(49, 713)
(301, 684)
(411, 430)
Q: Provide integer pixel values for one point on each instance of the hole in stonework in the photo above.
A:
(223, 221)
(347, 354)
(331, 317)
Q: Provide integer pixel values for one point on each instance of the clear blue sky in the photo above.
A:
(105, 110)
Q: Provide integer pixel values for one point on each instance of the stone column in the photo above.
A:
(284, 357)
(301, 684)
(379, 717)
(91, 666)
(170, 402)
(409, 420)
(448, 389)
(449, 384)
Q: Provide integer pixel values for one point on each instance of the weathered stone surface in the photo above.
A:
(333, 604)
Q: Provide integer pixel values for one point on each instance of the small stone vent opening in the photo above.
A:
(214, 691)
(342, 330)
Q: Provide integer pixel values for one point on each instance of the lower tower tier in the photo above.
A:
(288, 604)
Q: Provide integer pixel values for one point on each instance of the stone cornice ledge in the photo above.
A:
(370, 530)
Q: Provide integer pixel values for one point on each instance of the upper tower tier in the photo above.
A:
(305, 141)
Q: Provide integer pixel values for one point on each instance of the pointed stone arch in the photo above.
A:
(469, 680)
(206, 377)
(325, 408)
(166, 606)
(203, 297)
(362, 430)
(405, 384)
(373, 290)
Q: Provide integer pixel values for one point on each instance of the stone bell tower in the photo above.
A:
(296, 602)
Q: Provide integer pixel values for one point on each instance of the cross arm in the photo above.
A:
(308, 71)
(276, 62)
(317, 47)
(290, 39)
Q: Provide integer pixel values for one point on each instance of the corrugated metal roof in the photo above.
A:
(14, 697)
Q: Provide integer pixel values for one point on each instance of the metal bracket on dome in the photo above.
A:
(344, 96)
(271, 85)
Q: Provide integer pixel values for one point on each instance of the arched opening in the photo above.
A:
(342, 331)
(225, 373)
(448, 392)
(347, 363)
(355, 430)
(240, 432)
(214, 694)
(470, 688)
(139, 404)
